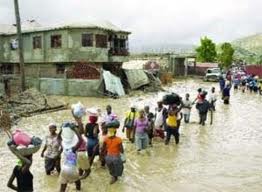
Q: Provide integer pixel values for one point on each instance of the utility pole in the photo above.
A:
(20, 46)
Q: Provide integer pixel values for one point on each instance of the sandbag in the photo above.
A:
(171, 99)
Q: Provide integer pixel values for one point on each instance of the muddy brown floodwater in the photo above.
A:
(224, 157)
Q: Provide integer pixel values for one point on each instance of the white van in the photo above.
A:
(212, 74)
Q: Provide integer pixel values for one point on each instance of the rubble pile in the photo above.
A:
(154, 84)
(28, 103)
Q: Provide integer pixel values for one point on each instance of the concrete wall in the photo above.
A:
(69, 87)
(83, 87)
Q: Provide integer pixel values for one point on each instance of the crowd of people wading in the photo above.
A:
(71, 150)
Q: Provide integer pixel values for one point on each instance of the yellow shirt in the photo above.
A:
(131, 115)
(171, 121)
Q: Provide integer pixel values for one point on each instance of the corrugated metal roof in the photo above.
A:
(5, 29)
(134, 64)
(32, 26)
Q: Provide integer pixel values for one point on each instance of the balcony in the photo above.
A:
(118, 52)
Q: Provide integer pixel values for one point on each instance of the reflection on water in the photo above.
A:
(226, 156)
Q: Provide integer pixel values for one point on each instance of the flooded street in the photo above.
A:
(223, 157)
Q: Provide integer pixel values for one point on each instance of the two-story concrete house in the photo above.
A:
(68, 51)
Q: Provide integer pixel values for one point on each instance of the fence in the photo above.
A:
(254, 69)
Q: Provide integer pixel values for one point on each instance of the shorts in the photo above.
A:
(82, 160)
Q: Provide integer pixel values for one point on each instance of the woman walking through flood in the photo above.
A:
(91, 132)
(172, 124)
(113, 149)
(141, 128)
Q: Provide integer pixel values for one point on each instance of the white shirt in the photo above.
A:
(187, 103)
(212, 97)
(159, 119)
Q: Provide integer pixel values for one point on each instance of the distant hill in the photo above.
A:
(249, 48)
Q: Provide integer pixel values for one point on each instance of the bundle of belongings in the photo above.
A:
(25, 144)
(171, 99)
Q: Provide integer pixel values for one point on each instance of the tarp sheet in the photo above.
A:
(136, 78)
(113, 83)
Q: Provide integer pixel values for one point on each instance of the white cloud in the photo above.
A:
(151, 21)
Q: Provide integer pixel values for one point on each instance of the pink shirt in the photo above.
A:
(141, 125)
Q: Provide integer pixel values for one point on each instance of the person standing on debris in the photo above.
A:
(141, 127)
(160, 119)
(187, 105)
(203, 108)
(113, 150)
(172, 124)
(129, 123)
(54, 150)
(150, 118)
(22, 173)
(212, 99)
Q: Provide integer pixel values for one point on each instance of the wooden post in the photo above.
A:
(20, 45)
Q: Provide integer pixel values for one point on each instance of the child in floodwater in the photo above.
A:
(212, 99)
(21, 173)
(54, 150)
(187, 105)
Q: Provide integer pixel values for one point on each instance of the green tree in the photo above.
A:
(226, 56)
(206, 52)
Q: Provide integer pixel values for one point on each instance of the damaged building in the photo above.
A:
(65, 59)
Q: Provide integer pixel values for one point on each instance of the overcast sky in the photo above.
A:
(151, 21)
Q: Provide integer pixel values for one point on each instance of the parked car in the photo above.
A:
(213, 74)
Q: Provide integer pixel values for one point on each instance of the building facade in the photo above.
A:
(69, 51)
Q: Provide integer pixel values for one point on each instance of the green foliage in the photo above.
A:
(226, 56)
(259, 60)
(206, 52)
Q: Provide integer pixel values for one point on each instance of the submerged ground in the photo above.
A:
(224, 157)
